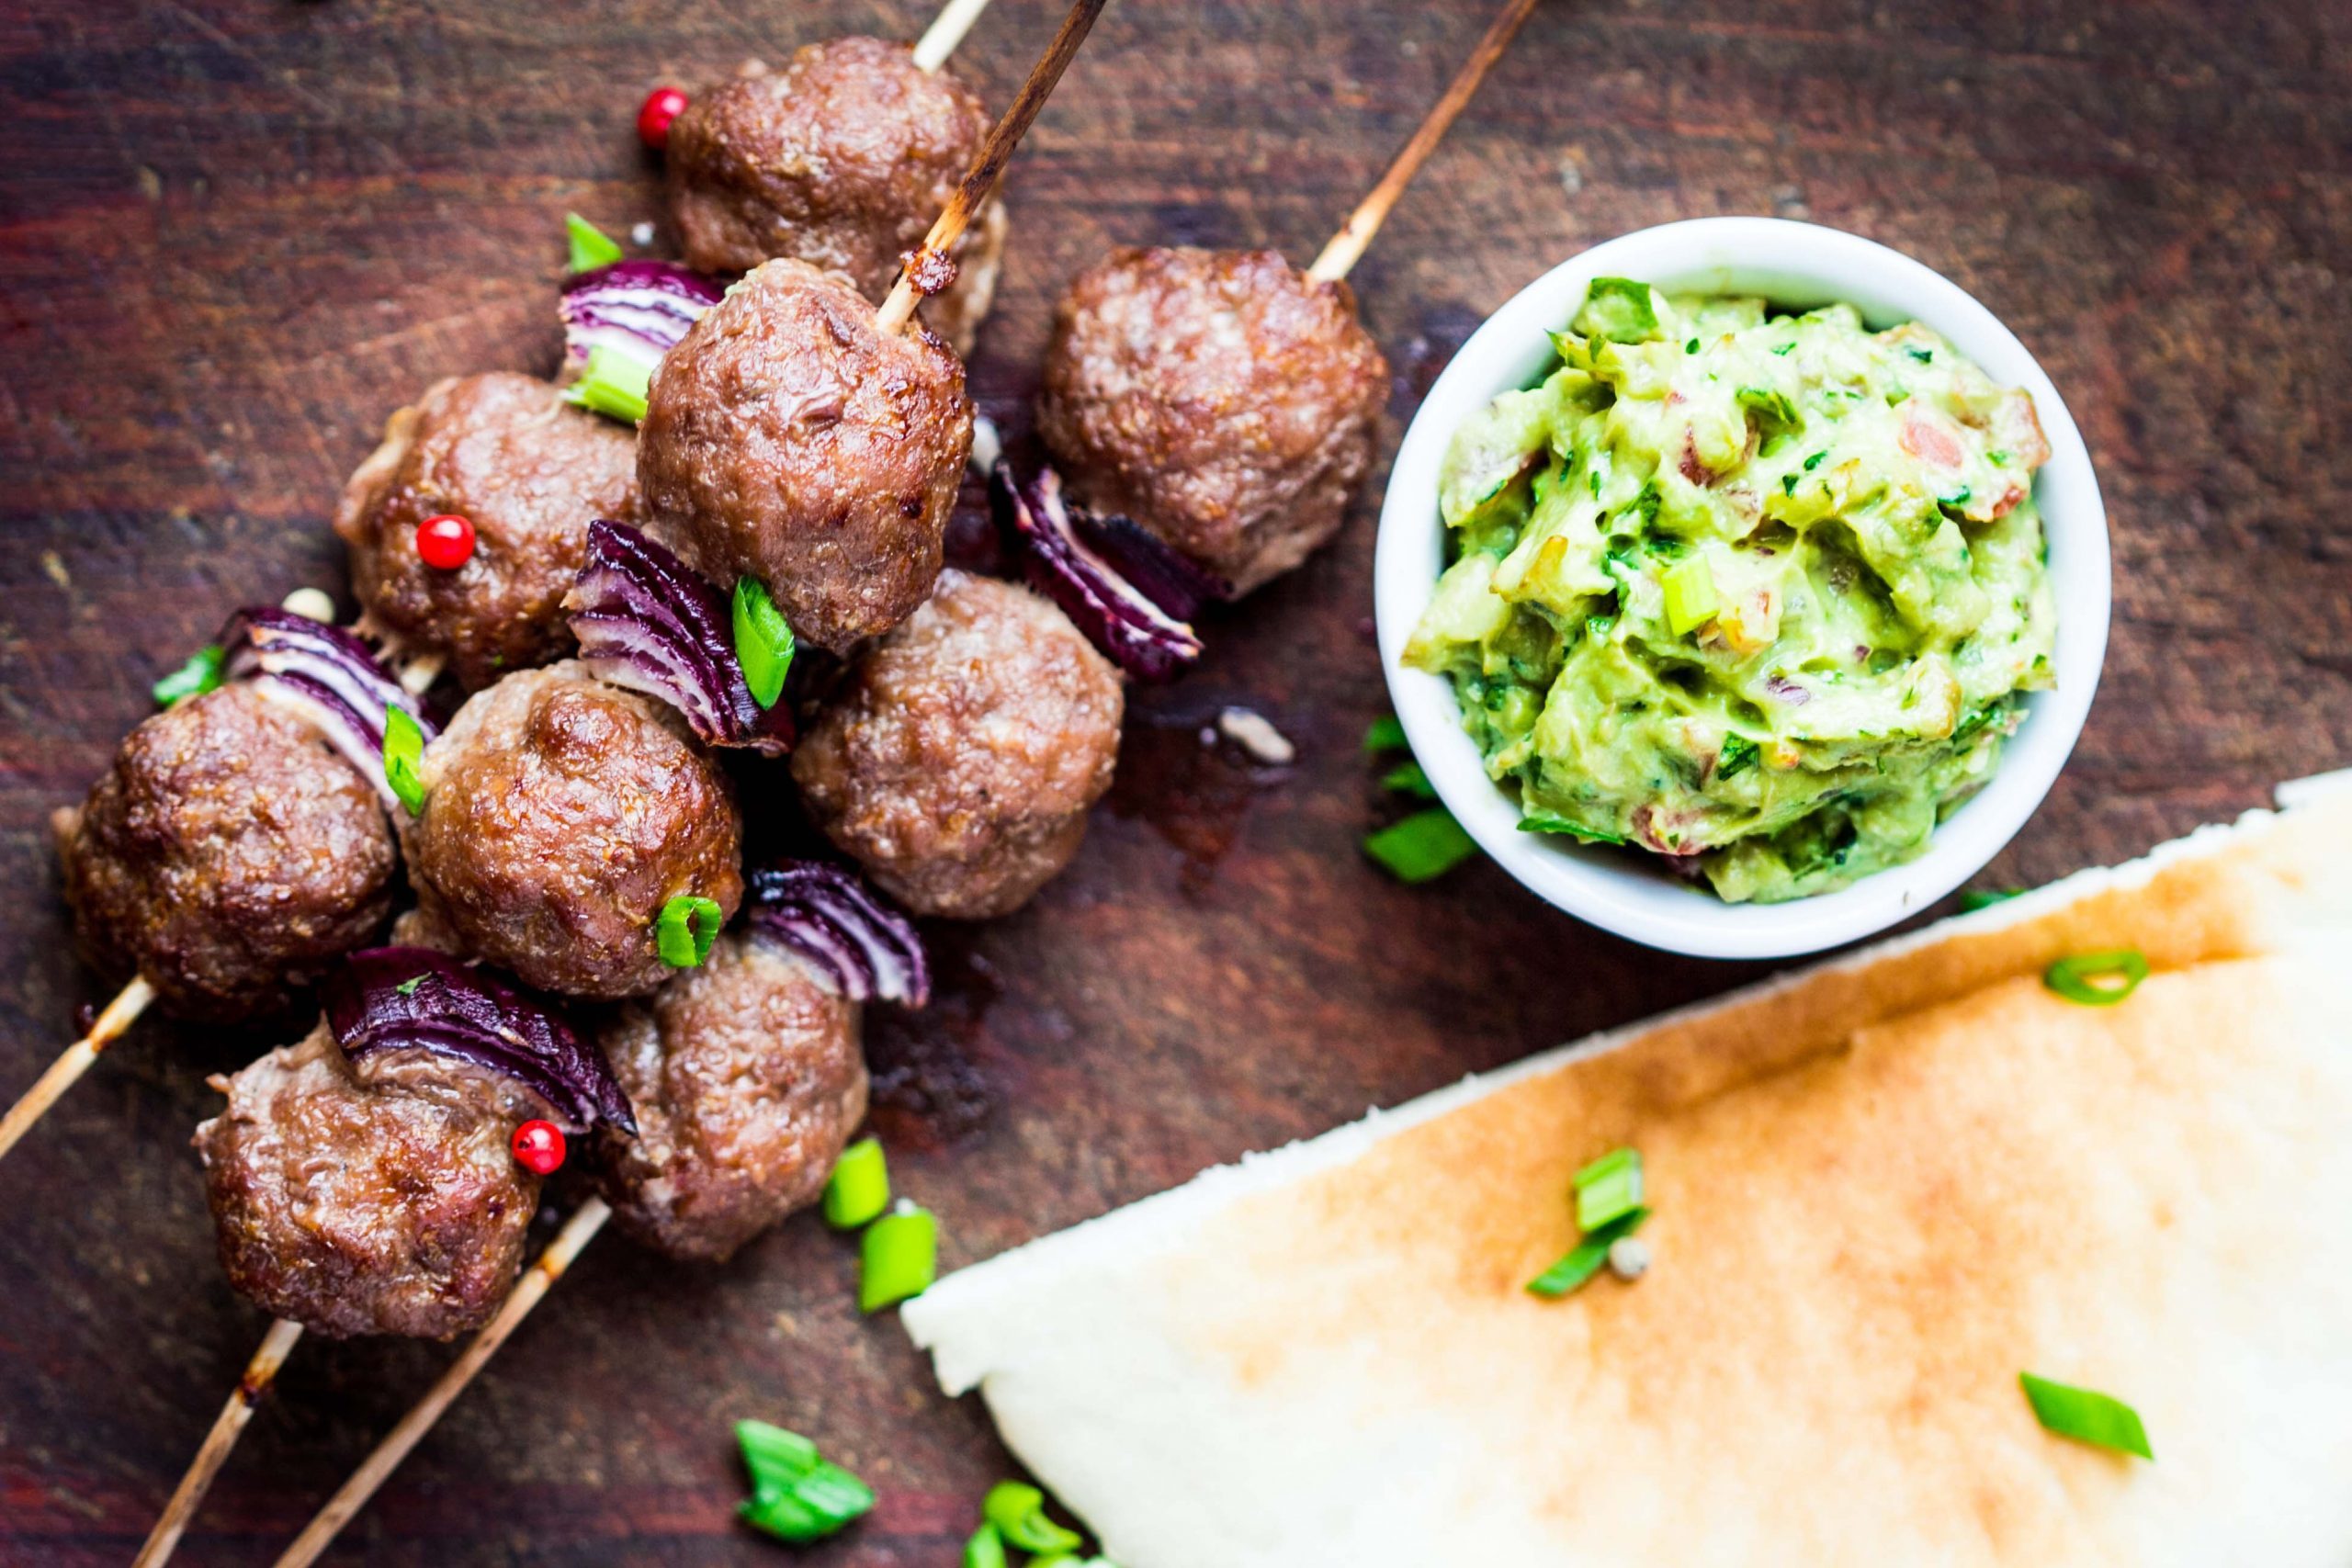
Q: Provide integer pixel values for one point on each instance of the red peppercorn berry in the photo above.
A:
(446, 542)
(653, 117)
(538, 1145)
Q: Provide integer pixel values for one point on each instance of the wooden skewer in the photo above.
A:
(931, 267)
(577, 1232)
(128, 1004)
(939, 39)
(260, 1373)
(1341, 255)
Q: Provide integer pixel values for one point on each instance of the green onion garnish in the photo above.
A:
(405, 758)
(1386, 734)
(1425, 845)
(1607, 1189)
(985, 1549)
(1620, 308)
(1587, 1257)
(193, 679)
(762, 641)
(898, 1259)
(1018, 1512)
(2086, 1415)
(614, 385)
(2098, 980)
(686, 929)
(1406, 778)
(590, 246)
(797, 1494)
(1977, 898)
(859, 1188)
(1573, 830)
(1691, 601)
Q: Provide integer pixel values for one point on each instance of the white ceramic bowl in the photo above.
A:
(1798, 265)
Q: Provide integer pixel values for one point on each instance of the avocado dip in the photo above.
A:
(1757, 592)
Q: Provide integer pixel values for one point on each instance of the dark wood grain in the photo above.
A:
(236, 233)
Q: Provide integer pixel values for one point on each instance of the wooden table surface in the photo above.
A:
(239, 232)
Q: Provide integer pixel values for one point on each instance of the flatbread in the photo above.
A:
(1882, 1189)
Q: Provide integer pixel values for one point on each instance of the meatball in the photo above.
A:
(384, 1200)
(959, 761)
(530, 473)
(560, 815)
(1222, 399)
(747, 1081)
(786, 438)
(228, 857)
(842, 159)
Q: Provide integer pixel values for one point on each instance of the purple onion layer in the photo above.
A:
(867, 948)
(648, 620)
(414, 998)
(640, 309)
(326, 675)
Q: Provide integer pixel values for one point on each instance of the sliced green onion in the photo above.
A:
(200, 674)
(797, 1494)
(985, 1549)
(1018, 1512)
(686, 929)
(591, 247)
(1585, 1259)
(1386, 734)
(859, 1188)
(1977, 898)
(1609, 1189)
(898, 1258)
(2098, 980)
(614, 385)
(1691, 601)
(1573, 830)
(1406, 778)
(2086, 1415)
(405, 758)
(1425, 845)
(762, 641)
(1620, 308)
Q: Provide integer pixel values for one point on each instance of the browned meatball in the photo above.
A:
(958, 764)
(1222, 399)
(842, 159)
(560, 814)
(228, 856)
(385, 1200)
(531, 472)
(786, 438)
(747, 1081)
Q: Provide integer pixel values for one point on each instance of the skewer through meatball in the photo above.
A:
(560, 815)
(957, 764)
(787, 439)
(747, 1081)
(1222, 399)
(381, 1200)
(228, 856)
(530, 473)
(843, 159)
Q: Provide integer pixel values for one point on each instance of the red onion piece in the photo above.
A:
(326, 676)
(867, 948)
(1136, 611)
(638, 309)
(648, 620)
(414, 998)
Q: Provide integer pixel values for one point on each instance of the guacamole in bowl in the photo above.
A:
(1759, 592)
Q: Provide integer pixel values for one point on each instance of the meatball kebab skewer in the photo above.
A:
(780, 299)
(1224, 399)
(240, 843)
